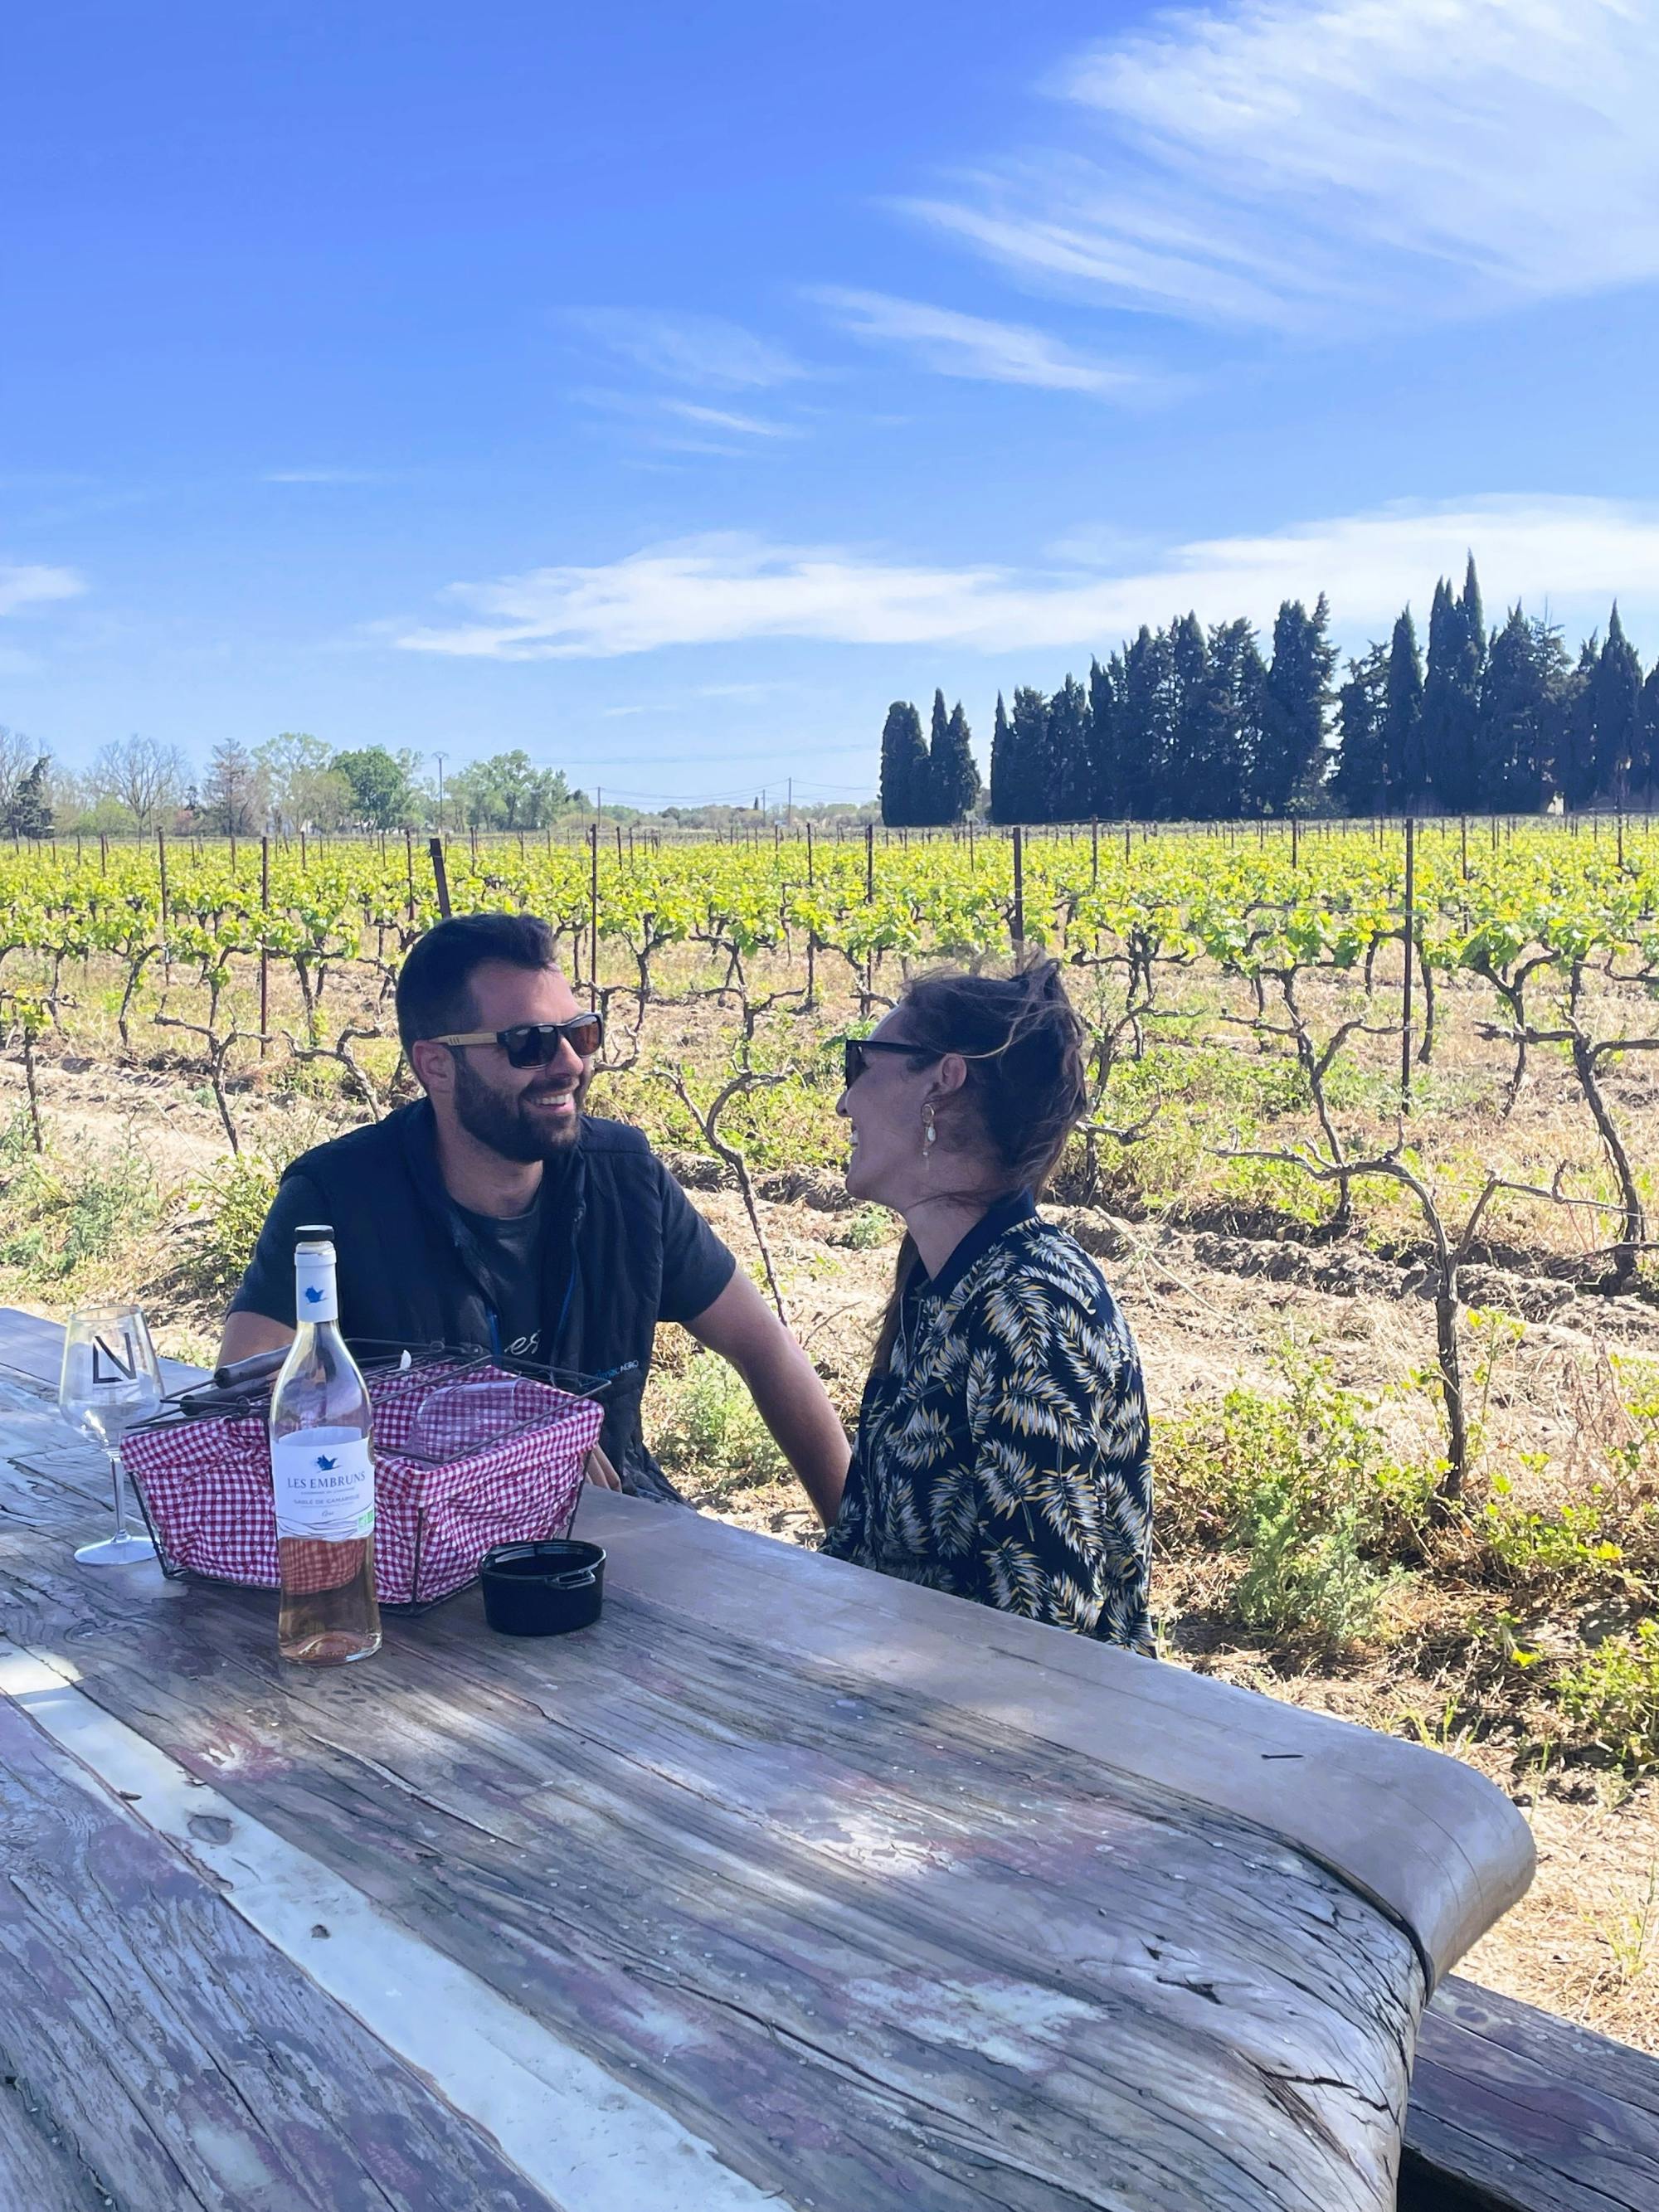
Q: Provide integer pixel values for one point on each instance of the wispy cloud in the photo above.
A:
(722, 589)
(33, 585)
(701, 351)
(724, 418)
(970, 346)
(323, 476)
(1302, 163)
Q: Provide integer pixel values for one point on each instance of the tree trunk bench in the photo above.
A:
(1514, 2111)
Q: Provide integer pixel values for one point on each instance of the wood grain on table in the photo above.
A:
(876, 1898)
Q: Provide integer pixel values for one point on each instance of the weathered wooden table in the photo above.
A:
(786, 1884)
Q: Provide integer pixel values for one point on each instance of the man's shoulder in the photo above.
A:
(610, 1139)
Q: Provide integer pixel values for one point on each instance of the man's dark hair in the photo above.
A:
(434, 995)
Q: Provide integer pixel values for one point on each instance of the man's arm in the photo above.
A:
(784, 1384)
(248, 1333)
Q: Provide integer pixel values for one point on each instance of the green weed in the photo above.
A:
(706, 1433)
(1613, 1694)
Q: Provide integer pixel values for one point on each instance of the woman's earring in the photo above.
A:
(929, 1134)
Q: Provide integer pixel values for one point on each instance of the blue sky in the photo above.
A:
(663, 390)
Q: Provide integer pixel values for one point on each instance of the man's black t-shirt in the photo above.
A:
(509, 1255)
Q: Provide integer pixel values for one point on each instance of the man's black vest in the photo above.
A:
(408, 1265)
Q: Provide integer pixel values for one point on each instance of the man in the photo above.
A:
(496, 1212)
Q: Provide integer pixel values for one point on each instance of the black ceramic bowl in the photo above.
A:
(542, 1588)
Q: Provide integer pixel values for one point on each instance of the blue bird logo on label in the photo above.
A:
(314, 1296)
(326, 1462)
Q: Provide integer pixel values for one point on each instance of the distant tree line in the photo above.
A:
(1187, 724)
(292, 782)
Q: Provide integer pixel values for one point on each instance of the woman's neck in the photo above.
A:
(938, 1225)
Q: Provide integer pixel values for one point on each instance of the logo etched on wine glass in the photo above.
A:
(107, 1364)
(110, 1379)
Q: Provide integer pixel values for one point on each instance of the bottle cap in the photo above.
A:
(308, 1232)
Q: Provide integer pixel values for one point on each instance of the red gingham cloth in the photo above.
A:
(207, 1486)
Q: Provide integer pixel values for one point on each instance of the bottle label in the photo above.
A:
(315, 1297)
(324, 1484)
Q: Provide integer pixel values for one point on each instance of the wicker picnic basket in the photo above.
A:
(467, 1455)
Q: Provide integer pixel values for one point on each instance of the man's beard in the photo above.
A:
(505, 1125)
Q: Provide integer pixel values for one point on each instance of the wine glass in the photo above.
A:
(110, 1379)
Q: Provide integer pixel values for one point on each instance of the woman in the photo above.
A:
(1002, 1445)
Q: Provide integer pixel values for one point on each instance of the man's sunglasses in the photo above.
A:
(855, 1050)
(534, 1044)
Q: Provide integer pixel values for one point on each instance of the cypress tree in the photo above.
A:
(1298, 699)
(1405, 762)
(1105, 771)
(1519, 701)
(1143, 723)
(1614, 707)
(1451, 693)
(904, 780)
(1644, 767)
(1187, 778)
(954, 774)
(938, 742)
(29, 813)
(1229, 723)
(1028, 733)
(1359, 779)
(1574, 758)
(1005, 768)
(1068, 782)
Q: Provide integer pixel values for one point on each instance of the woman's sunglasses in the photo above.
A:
(534, 1044)
(854, 1051)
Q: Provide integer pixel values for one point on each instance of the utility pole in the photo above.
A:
(439, 759)
(789, 807)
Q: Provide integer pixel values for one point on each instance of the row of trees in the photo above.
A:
(1499, 723)
(1180, 723)
(292, 782)
(1190, 724)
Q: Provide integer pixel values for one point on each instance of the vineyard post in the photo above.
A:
(1621, 837)
(1127, 831)
(103, 854)
(869, 860)
(264, 955)
(162, 858)
(1019, 891)
(594, 904)
(232, 852)
(409, 868)
(77, 851)
(434, 846)
(811, 933)
(1406, 988)
(1295, 848)
(972, 863)
(619, 846)
(302, 852)
(1093, 852)
(1463, 830)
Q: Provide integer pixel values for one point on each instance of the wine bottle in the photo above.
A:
(322, 1466)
